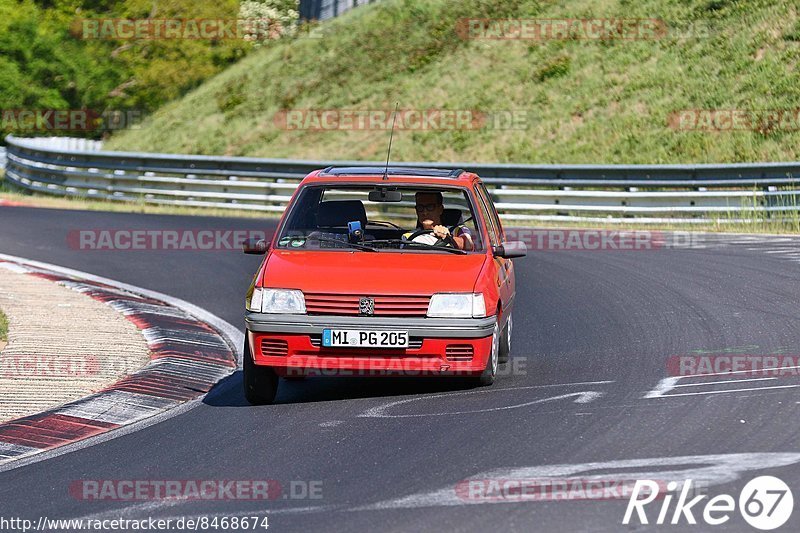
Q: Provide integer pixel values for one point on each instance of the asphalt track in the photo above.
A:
(609, 319)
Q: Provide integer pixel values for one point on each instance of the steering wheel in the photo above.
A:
(447, 241)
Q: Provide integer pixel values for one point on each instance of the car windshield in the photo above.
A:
(333, 216)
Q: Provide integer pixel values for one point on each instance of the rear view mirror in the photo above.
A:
(255, 246)
(510, 250)
(385, 195)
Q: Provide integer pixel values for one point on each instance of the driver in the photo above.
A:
(430, 206)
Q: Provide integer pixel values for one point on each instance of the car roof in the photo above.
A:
(374, 174)
(392, 171)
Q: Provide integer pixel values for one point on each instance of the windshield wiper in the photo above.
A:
(419, 245)
(346, 243)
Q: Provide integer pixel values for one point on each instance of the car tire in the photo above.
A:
(505, 341)
(260, 382)
(490, 372)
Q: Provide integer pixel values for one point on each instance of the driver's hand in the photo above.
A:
(441, 231)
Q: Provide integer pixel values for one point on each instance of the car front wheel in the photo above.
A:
(489, 373)
(260, 382)
(505, 341)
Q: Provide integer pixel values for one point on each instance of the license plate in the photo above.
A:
(356, 338)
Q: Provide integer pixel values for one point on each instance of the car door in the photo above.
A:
(505, 267)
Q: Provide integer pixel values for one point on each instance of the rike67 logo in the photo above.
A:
(765, 503)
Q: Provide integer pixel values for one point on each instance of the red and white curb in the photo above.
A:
(10, 203)
(190, 352)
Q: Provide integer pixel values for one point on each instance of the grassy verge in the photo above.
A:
(3, 328)
(755, 227)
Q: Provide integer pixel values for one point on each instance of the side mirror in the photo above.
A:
(255, 246)
(510, 250)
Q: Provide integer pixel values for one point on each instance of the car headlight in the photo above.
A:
(284, 301)
(457, 305)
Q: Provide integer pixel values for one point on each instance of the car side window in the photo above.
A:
(495, 220)
(493, 237)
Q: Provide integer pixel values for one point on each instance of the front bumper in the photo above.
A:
(290, 343)
(450, 328)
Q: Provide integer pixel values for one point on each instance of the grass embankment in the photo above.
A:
(587, 101)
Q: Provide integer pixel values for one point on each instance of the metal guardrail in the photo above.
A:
(611, 193)
(64, 143)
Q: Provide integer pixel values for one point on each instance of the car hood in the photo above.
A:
(372, 273)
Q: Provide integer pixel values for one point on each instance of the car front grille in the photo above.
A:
(348, 305)
(459, 353)
(274, 348)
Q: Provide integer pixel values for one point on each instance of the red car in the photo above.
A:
(374, 271)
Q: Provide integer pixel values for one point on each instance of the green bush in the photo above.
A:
(47, 63)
